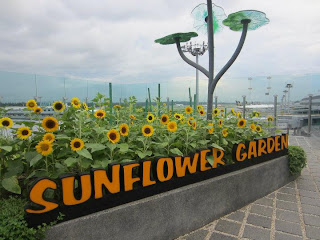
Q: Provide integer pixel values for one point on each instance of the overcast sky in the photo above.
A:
(114, 41)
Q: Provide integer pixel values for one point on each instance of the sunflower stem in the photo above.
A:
(47, 168)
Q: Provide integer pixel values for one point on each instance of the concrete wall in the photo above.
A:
(177, 212)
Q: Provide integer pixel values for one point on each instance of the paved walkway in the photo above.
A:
(292, 212)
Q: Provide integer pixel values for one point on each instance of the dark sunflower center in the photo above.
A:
(147, 130)
(113, 136)
(45, 147)
(49, 138)
(164, 119)
(25, 132)
(37, 110)
(50, 124)
(241, 123)
(5, 123)
(58, 106)
(31, 104)
(77, 144)
(76, 102)
(123, 130)
(99, 114)
(150, 117)
(178, 117)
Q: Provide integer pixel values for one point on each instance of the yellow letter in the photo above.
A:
(277, 143)
(241, 157)
(261, 147)
(36, 196)
(217, 160)
(203, 160)
(160, 169)
(284, 141)
(128, 178)
(270, 144)
(181, 167)
(68, 189)
(252, 149)
(146, 178)
(101, 180)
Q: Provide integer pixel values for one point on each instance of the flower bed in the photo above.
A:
(78, 138)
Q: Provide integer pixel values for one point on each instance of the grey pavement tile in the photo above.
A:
(197, 235)
(307, 186)
(312, 232)
(314, 210)
(309, 194)
(286, 197)
(288, 227)
(228, 227)
(310, 201)
(271, 195)
(291, 185)
(236, 216)
(265, 201)
(261, 210)
(259, 221)
(284, 236)
(287, 216)
(256, 233)
(219, 236)
(287, 190)
(287, 205)
(311, 220)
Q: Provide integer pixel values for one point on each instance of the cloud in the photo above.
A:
(114, 41)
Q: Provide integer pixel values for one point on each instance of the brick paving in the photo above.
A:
(292, 212)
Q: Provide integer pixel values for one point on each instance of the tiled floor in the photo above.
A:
(292, 212)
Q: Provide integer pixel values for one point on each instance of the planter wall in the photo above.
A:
(180, 211)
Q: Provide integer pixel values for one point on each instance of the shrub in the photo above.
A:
(13, 226)
(297, 159)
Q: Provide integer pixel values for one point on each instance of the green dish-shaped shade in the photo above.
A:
(200, 13)
(171, 39)
(257, 18)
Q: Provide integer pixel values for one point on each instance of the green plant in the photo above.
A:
(13, 226)
(297, 159)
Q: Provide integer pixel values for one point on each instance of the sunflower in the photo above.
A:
(6, 122)
(58, 106)
(238, 114)
(220, 123)
(150, 117)
(210, 130)
(188, 110)
(252, 126)
(147, 130)
(178, 116)
(76, 144)
(183, 121)
(225, 132)
(50, 124)
(233, 112)
(194, 125)
(164, 119)
(202, 112)
(23, 132)
(44, 148)
(241, 123)
(270, 119)
(75, 102)
(132, 117)
(131, 122)
(199, 107)
(48, 137)
(85, 106)
(258, 128)
(37, 110)
(222, 114)
(164, 104)
(113, 136)
(222, 110)
(100, 114)
(256, 114)
(216, 111)
(117, 107)
(124, 129)
(31, 104)
(172, 126)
